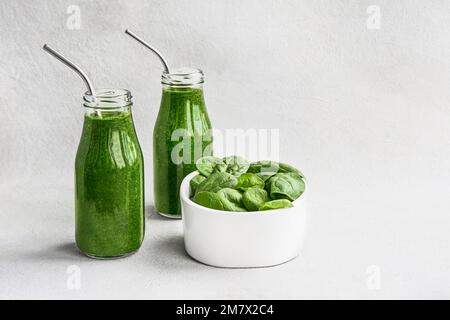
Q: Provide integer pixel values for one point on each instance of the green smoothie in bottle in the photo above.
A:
(109, 179)
(182, 134)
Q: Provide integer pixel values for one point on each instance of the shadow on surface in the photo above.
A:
(152, 214)
(168, 253)
(171, 247)
(163, 247)
(65, 251)
(167, 250)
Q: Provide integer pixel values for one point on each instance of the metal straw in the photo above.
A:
(73, 66)
(145, 44)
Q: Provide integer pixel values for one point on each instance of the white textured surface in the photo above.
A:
(363, 112)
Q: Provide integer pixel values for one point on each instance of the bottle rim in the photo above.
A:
(107, 98)
(183, 77)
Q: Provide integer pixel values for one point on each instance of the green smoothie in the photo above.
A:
(109, 186)
(181, 136)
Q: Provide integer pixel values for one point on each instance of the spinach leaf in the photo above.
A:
(276, 204)
(195, 181)
(236, 165)
(231, 199)
(264, 169)
(209, 199)
(264, 166)
(249, 180)
(207, 165)
(265, 175)
(254, 198)
(217, 181)
(226, 199)
(284, 168)
(232, 184)
(267, 168)
(288, 185)
(220, 167)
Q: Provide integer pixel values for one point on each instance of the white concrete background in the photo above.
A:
(363, 112)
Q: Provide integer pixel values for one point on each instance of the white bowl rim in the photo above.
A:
(185, 189)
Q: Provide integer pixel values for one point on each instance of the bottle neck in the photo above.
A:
(196, 87)
(108, 102)
(183, 78)
(107, 113)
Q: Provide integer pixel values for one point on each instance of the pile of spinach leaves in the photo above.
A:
(234, 184)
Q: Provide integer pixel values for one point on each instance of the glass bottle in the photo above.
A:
(109, 178)
(182, 134)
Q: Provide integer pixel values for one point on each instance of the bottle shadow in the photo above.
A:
(152, 214)
(168, 250)
(67, 251)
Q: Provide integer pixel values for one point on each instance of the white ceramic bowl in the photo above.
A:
(242, 239)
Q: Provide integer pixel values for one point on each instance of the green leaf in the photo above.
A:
(284, 168)
(231, 199)
(220, 167)
(226, 199)
(254, 198)
(195, 181)
(206, 165)
(265, 184)
(264, 169)
(288, 185)
(209, 199)
(249, 180)
(236, 165)
(265, 175)
(267, 168)
(264, 166)
(276, 204)
(217, 181)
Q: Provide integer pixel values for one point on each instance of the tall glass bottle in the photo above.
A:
(109, 178)
(182, 134)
